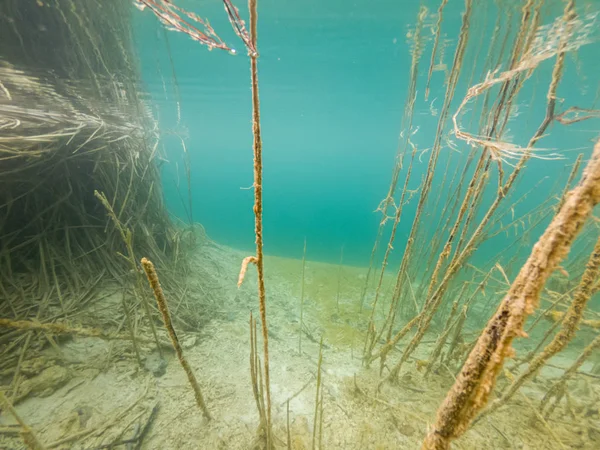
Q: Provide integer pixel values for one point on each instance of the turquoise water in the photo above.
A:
(333, 81)
(87, 355)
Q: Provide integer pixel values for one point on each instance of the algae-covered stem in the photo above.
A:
(569, 326)
(257, 147)
(164, 310)
(477, 377)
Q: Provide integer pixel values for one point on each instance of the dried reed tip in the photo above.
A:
(178, 19)
(247, 260)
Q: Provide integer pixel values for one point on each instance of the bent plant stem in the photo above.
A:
(389, 345)
(164, 310)
(459, 258)
(127, 238)
(476, 379)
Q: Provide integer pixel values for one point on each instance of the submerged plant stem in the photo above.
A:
(476, 380)
(258, 205)
(164, 310)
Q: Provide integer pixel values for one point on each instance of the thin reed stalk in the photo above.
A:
(407, 120)
(339, 280)
(559, 48)
(438, 30)
(441, 340)
(301, 329)
(318, 398)
(558, 389)
(256, 379)
(452, 82)
(127, 237)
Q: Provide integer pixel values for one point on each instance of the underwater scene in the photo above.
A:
(313, 224)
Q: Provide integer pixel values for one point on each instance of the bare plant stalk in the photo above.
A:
(389, 345)
(451, 237)
(164, 311)
(452, 200)
(504, 150)
(575, 114)
(475, 203)
(256, 378)
(59, 328)
(339, 280)
(289, 437)
(258, 205)
(457, 334)
(452, 82)
(547, 334)
(321, 423)
(475, 382)
(170, 15)
(388, 250)
(319, 395)
(129, 320)
(302, 299)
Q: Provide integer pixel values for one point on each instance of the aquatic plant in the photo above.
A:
(436, 40)
(167, 13)
(472, 388)
(257, 380)
(570, 322)
(258, 188)
(73, 121)
(164, 311)
(318, 416)
(439, 296)
(128, 241)
(408, 118)
(301, 329)
(558, 390)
